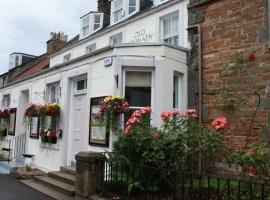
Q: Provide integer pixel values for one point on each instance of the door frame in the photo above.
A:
(73, 94)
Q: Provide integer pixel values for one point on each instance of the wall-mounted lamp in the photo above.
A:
(116, 78)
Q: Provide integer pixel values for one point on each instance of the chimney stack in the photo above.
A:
(56, 42)
(104, 6)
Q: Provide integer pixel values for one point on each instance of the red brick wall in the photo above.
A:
(236, 62)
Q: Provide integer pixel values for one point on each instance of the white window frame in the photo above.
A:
(120, 9)
(125, 10)
(75, 82)
(67, 58)
(179, 99)
(100, 21)
(49, 92)
(120, 35)
(85, 26)
(152, 84)
(170, 17)
(5, 103)
(93, 47)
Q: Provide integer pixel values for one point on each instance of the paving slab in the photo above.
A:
(11, 189)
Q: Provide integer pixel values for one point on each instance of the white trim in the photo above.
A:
(132, 69)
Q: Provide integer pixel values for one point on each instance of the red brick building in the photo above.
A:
(230, 65)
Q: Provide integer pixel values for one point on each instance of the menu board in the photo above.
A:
(98, 127)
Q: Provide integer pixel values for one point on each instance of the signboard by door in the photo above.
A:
(98, 129)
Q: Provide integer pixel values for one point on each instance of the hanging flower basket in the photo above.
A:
(111, 107)
(4, 113)
(33, 110)
(52, 109)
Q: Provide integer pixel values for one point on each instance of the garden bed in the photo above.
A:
(25, 173)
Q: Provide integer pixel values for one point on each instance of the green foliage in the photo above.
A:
(175, 148)
(28, 167)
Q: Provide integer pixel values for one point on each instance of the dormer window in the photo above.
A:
(85, 26)
(132, 6)
(170, 29)
(118, 10)
(91, 23)
(97, 22)
(122, 9)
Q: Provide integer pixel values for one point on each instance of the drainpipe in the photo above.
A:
(198, 27)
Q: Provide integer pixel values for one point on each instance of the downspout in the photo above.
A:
(198, 27)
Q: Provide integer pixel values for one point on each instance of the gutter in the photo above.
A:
(200, 65)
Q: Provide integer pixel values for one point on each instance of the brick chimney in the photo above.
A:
(56, 42)
(104, 6)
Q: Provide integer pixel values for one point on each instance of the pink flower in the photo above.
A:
(251, 171)
(220, 122)
(191, 113)
(165, 115)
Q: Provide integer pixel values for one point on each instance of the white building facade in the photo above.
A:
(141, 55)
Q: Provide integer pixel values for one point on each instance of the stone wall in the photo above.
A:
(235, 65)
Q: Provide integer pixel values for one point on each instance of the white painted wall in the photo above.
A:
(162, 60)
(133, 32)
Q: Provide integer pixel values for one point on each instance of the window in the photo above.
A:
(138, 89)
(17, 61)
(177, 81)
(53, 92)
(6, 101)
(85, 26)
(97, 22)
(131, 6)
(170, 29)
(116, 39)
(90, 48)
(81, 84)
(117, 10)
(67, 58)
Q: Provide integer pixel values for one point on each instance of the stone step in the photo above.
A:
(64, 177)
(47, 190)
(68, 170)
(56, 184)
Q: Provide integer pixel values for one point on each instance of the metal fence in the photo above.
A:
(126, 181)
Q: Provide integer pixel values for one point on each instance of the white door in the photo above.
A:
(79, 125)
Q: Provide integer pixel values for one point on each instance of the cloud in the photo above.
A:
(25, 26)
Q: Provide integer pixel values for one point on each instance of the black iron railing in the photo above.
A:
(14, 147)
(134, 181)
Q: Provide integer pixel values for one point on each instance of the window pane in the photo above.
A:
(132, 6)
(138, 88)
(81, 85)
(96, 26)
(175, 91)
(138, 96)
(97, 19)
(85, 21)
(90, 48)
(116, 39)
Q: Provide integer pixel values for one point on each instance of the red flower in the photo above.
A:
(53, 134)
(220, 122)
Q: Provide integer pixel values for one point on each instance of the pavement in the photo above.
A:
(11, 189)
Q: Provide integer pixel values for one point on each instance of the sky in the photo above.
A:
(25, 25)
